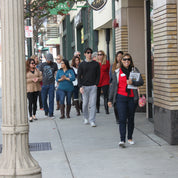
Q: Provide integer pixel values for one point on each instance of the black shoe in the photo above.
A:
(46, 114)
(97, 111)
(52, 116)
(107, 112)
(31, 119)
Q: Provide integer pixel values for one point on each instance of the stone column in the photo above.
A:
(16, 160)
(165, 70)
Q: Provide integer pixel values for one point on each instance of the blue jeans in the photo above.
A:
(57, 96)
(45, 91)
(62, 95)
(126, 110)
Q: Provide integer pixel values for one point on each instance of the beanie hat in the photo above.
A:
(49, 57)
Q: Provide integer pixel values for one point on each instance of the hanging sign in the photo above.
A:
(97, 4)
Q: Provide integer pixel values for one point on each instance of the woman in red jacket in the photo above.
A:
(104, 80)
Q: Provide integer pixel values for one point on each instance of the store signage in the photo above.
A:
(97, 4)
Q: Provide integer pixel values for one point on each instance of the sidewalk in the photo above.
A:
(80, 151)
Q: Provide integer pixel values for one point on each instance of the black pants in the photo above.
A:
(105, 89)
(40, 100)
(32, 98)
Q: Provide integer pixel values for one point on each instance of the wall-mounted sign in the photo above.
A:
(28, 31)
(97, 4)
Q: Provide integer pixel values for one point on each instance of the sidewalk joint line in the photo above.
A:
(148, 136)
(65, 153)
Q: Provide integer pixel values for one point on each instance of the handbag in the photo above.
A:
(141, 100)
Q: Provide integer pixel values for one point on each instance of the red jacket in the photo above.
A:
(104, 74)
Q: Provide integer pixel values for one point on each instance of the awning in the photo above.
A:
(45, 49)
(53, 41)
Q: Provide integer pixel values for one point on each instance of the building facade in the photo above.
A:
(152, 46)
(134, 36)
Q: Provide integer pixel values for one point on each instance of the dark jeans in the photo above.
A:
(116, 113)
(32, 98)
(63, 94)
(126, 110)
(48, 90)
(105, 89)
(76, 93)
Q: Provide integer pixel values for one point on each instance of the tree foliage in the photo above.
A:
(44, 8)
(40, 10)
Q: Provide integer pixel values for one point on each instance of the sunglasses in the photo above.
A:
(100, 54)
(126, 59)
(89, 52)
(32, 63)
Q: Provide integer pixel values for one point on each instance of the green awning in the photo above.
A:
(45, 49)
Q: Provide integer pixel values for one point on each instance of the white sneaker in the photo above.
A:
(93, 124)
(131, 142)
(86, 121)
(122, 144)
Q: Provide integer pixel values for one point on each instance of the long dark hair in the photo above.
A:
(66, 62)
(73, 64)
(28, 64)
(131, 61)
(115, 60)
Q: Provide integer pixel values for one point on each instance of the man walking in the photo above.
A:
(48, 70)
(88, 79)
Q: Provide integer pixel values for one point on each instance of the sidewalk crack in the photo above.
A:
(63, 147)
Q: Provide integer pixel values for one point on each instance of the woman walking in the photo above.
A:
(33, 77)
(65, 76)
(124, 97)
(104, 80)
(35, 57)
(75, 64)
(113, 67)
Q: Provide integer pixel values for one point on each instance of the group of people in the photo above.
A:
(85, 80)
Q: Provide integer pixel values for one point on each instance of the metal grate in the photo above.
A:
(44, 146)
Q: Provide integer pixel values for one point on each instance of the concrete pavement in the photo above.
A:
(80, 151)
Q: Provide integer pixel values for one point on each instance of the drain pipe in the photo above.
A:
(113, 30)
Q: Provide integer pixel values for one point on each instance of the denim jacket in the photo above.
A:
(65, 84)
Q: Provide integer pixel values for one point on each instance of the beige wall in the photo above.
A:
(135, 3)
(102, 42)
(165, 55)
(159, 3)
(136, 39)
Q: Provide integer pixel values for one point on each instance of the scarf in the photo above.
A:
(127, 73)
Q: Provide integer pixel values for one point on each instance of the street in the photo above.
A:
(80, 151)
